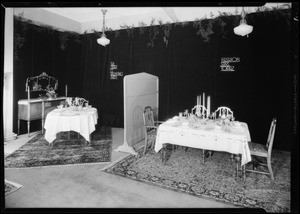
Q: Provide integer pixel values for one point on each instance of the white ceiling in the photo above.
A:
(87, 19)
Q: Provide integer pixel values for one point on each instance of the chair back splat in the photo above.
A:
(148, 116)
(199, 111)
(150, 127)
(223, 111)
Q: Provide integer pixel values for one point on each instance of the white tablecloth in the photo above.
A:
(209, 136)
(70, 119)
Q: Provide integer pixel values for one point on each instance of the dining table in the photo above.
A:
(79, 119)
(206, 134)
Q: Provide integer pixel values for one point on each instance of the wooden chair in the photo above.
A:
(151, 126)
(264, 151)
(199, 111)
(223, 112)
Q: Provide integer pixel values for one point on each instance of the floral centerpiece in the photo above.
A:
(50, 92)
(76, 102)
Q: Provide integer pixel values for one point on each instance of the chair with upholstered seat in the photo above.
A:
(199, 111)
(150, 129)
(263, 151)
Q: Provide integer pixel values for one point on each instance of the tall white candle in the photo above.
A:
(208, 105)
(203, 103)
(28, 92)
(66, 90)
(199, 99)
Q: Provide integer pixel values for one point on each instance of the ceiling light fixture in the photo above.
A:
(243, 29)
(103, 40)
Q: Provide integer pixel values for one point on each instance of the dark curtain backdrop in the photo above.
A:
(258, 89)
(41, 52)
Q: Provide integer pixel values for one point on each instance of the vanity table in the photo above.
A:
(37, 108)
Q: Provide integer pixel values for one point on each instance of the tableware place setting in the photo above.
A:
(73, 107)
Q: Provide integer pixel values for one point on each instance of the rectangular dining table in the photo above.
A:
(81, 120)
(206, 134)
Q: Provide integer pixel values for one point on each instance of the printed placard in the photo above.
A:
(225, 66)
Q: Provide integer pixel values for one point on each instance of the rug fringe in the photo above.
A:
(80, 164)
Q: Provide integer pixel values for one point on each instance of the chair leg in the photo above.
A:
(270, 168)
(146, 145)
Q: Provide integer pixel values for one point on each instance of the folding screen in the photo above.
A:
(140, 90)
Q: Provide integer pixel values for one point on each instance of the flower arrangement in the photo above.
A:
(76, 101)
(50, 92)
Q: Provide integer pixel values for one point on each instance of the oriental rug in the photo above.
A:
(215, 179)
(10, 187)
(66, 150)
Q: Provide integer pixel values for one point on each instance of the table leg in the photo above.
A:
(28, 128)
(238, 163)
(18, 127)
(43, 122)
(231, 157)
(165, 153)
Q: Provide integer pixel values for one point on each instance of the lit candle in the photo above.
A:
(66, 90)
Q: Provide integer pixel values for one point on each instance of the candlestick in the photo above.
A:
(203, 103)
(28, 92)
(208, 106)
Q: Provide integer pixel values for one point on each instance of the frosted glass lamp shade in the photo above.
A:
(243, 29)
(103, 40)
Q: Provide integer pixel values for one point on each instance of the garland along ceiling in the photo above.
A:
(90, 19)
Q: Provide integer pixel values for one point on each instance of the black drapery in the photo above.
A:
(258, 89)
(39, 50)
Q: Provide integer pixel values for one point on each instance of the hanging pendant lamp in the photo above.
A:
(103, 40)
(243, 29)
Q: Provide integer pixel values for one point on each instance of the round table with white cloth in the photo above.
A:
(81, 120)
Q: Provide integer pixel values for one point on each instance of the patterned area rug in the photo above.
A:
(214, 179)
(65, 150)
(10, 187)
